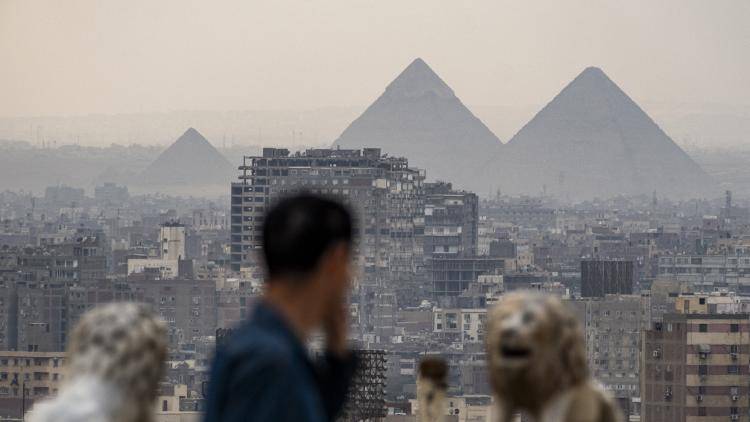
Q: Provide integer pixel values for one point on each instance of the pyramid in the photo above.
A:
(420, 118)
(592, 140)
(191, 159)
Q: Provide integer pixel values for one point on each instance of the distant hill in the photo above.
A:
(419, 117)
(593, 140)
(191, 160)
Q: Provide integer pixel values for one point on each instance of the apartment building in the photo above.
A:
(386, 193)
(451, 221)
(387, 197)
(460, 325)
(694, 368)
(600, 277)
(613, 338)
(26, 377)
(187, 306)
(450, 276)
(707, 272)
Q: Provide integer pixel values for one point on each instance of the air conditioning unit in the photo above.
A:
(735, 398)
(703, 355)
(656, 353)
(735, 417)
(733, 355)
(698, 398)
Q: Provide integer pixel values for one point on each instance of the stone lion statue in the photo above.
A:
(115, 362)
(537, 363)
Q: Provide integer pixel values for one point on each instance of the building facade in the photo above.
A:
(600, 277)
(695, 368)
(451, 221)
(451, 276)
(386, 195)
(705, 272)
(613, 344)
(26, 377)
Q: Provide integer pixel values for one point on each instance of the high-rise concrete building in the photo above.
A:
(188, 307)
(42, 321)
(451, 276)
(613, 344)
(386, 195)
(695, 368)
(172, 262)
(27, 377)
(63, 195)
(8, 314)
(600, 277)
(706, 272)
(111, 194)
(172, 238)
(450, 222)
(80, 259)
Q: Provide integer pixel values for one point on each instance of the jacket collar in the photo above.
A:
(268, 317)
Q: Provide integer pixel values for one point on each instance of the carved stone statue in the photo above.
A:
(537, 363)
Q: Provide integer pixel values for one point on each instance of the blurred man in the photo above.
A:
(264, 372)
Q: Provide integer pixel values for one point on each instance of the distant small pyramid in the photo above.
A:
(419, 117)
(191, 159)
(593, 140)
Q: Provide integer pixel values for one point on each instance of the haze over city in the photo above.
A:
(389, 211)
(684, 61)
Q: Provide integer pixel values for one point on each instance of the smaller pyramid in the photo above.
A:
(419, 117)
(191, 159)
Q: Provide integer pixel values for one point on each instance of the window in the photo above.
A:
(701, 411)
(734, 328)
(733, 369)
(703, 328)
(451, 321)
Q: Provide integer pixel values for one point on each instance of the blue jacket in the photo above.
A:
(264, 373)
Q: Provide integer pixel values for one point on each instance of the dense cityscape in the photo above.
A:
(592, 202)
(646, 275)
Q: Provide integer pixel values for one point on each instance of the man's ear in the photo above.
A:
(340, 253)
(335, 257)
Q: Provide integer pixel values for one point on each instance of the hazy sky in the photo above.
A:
(111, 56)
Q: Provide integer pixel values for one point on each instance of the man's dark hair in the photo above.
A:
(299, 230)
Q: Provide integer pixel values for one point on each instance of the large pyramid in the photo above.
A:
(190, 160)
(419, 117)
(592, 140)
